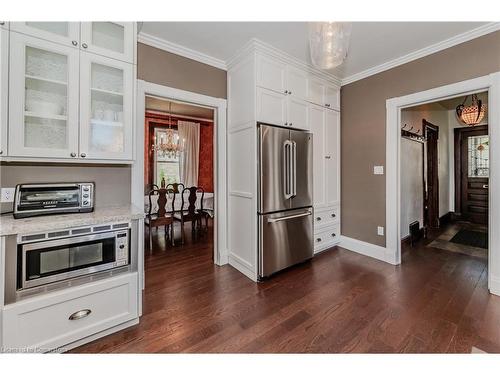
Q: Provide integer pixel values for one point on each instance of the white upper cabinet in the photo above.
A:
(111, 39)
(271, 74)
(43, 104)
(271, 107)
(317, 122)
(296, 82)
(316, 92)
(4, 74)
(297, 113)
(106, 117)
(66, 33)
(332, 97)
(332, 157)
(4, 25)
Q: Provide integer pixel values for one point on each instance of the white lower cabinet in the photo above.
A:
(326, 228)
(54, 320)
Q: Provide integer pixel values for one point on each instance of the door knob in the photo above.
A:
(318, 218)
(486, 186)
(333, 215)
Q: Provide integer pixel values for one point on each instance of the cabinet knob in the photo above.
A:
(2, 23)
(290, 124)
(327, 105)
(286, 123)
(333, 215)
(333, 234)
(74, 42)
(286, 91)
(328, 157)
(84, 45)
(83, 154)
(318, 239)
(73, 154)
(289, 92)
(318, 218)
(1, 152)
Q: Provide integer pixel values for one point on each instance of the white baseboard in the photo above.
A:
(242, 266)
(366, 248)
(494, 285)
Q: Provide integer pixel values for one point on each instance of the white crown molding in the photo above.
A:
(177, 49)
(453, 41)
(257, 45)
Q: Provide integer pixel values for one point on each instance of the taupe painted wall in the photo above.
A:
(363, 124)
(112, 182)
(165, 68)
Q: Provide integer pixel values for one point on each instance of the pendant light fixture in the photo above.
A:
(170, 144)
(328, 43)
(473, 114)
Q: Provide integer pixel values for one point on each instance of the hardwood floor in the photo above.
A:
(436, 301)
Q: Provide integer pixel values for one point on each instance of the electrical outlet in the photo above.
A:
(380, 231)
(378, 169)
(8, 195)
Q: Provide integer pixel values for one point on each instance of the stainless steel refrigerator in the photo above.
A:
(285, 198)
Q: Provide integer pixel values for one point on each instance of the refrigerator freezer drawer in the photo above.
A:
(286, 238)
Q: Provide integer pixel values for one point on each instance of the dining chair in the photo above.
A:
(160, 217)
(190, 213)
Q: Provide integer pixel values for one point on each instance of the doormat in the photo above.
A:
(471, 238)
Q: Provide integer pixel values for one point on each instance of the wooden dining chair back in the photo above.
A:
(188, 211)
(176, 187)
(159, 215)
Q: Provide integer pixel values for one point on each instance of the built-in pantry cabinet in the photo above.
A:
(266, 85)
(4, 96)
(71, 91)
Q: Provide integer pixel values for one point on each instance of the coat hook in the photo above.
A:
(418, 131)
(411, 128)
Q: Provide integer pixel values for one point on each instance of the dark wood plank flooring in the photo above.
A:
(436, 301)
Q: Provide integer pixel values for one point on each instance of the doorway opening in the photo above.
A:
(445, 182)
(179, 179)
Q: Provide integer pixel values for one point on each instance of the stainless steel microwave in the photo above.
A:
(45, 199)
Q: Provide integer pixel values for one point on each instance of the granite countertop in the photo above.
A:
(101, 215)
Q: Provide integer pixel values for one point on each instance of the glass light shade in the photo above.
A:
(472, 114)
(328, 43)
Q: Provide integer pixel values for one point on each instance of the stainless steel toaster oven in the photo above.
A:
(45, 199)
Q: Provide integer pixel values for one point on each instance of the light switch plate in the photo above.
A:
(380, 231)
(8, 195)
(378, 169)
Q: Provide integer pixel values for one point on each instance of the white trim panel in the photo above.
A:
(365, 248)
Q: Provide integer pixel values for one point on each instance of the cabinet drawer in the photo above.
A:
(48, 322)
(327, 237)
(327, 216)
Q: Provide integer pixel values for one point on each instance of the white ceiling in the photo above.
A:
(372, 43)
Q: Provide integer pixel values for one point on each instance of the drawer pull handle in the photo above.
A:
(318, 239)
(318, 218)
(333, 215)
(80, 314)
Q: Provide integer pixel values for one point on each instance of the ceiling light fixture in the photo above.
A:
(472, 114)
(328, 43)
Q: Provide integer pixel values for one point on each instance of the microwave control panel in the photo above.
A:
(122, 257)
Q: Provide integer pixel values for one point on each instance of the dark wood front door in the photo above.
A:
(472, 168)
(431, 195)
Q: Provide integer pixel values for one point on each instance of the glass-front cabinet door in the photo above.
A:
(43, 104)
(111, 39)
(106, 99)
(66, 33)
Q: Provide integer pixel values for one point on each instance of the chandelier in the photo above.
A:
(168, 143)
(472, 114)
(328, 43)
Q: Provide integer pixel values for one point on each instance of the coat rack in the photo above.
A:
(412, 135)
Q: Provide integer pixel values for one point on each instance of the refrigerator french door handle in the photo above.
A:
(294, 168)
(270, 221)
(287, 177)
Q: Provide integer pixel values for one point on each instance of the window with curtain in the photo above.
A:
(166, 166)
